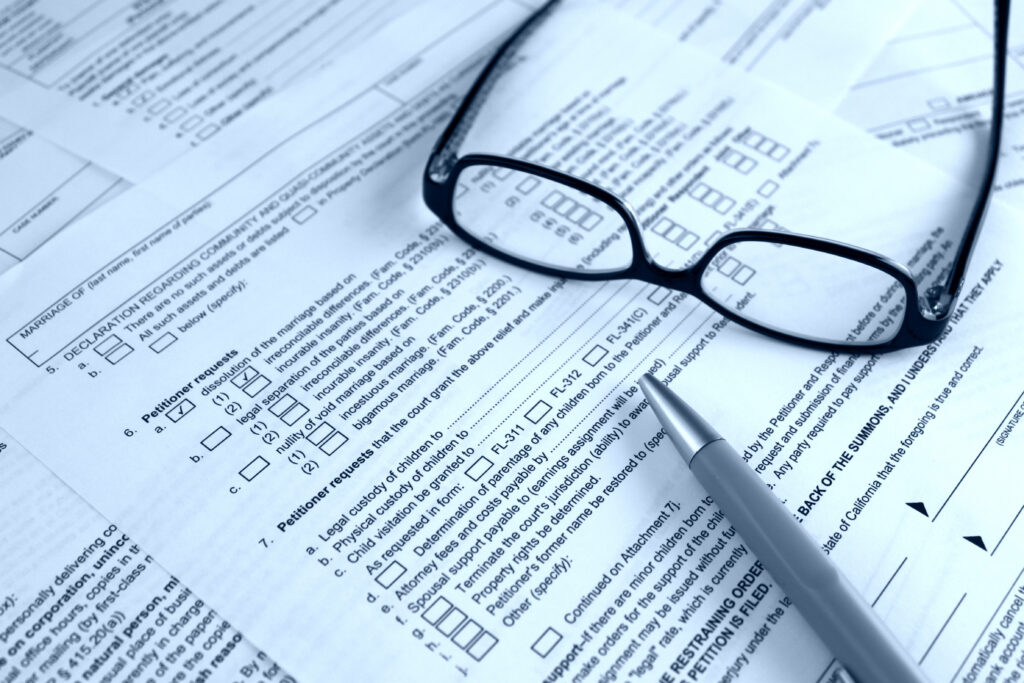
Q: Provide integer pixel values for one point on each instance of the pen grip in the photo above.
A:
(830, 604)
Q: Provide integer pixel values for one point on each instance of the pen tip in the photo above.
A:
(684, 426)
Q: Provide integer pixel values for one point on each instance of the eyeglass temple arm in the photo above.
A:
(939, 299)
(443, 158)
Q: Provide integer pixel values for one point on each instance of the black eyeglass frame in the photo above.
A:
(925, 317)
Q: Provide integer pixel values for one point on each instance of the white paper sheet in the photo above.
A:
(811, 48)
(458, 477)
(929, 92)
(45, 188)
(81, 601)
(131, 86)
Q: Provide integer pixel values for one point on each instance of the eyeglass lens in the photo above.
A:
(541, 220)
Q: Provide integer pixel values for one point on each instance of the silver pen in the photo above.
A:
(857, 638)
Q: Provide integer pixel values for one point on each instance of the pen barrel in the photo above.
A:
(830, 604)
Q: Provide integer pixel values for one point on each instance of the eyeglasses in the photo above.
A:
(558, 224)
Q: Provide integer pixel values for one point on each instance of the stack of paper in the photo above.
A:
(239, 351)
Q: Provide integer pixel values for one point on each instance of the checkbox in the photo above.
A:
(288, 409)
(688, 240)
(918, 125)
(662, 226)
(451, 621)
(108, 345)
(174, 114)
(253, 469)
(465, 636)
(743, 275)
(119, 353)
(728, 267)
(939, 103)
(528, 185)
(256, 386)
(482, 645)
(163, 341)
(479, 468)
(779, 152)
(538, 411)
(215, 438)
(207, 131)
(181, 410)
(501, 172)
(699, 191)
(437, 610)
(767, 188)
(304, 215)
(547, 642)
(712, 237)
(332, 443)
(247, 375)
(320, 434)
(746, 166)
(191, 122)
(658, 296)
(595, 355)
(391, 573)
(159, 106)
(724, 204)
(553, 199)
(591, 221)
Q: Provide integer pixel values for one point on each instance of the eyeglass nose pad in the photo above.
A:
(935, 303)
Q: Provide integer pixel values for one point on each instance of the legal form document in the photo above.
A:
(45, 189)
(930, 92)
(73, 581)
(131, 86)
(378, 452)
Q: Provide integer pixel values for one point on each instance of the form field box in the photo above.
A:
(215, 438)
(253, 469)
(304, 214)
(108, 345)
(767, 188)
(528, 185)
(437, 610)
(207, 131)
(658, 295)
(743, 275)
(332, 443)
(391, 573)
(256, 386)
(479, 468)
(181, 410)
(174, 114)
(247, 375)
(159, 106)
(163, 341)
(119, 353)
(538, 411)
(595, 355)
(283, 405)
(547, 642)
(320, 434)
(465, 636)
(191, 122)
(451, 621)
(482, 645)
(288, 410)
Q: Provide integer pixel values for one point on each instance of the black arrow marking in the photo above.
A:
(919, 507)
(976, 540)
